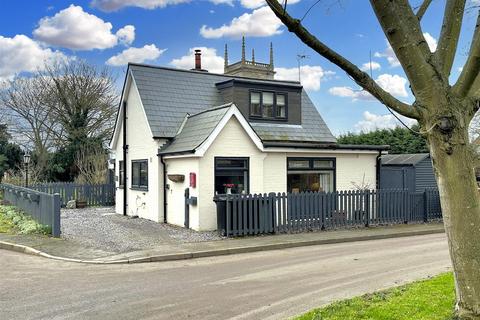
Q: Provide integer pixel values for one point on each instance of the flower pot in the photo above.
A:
(81, 204)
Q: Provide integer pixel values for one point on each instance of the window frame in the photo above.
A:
(216, 169)
(261, 117)
(139, 186)
(121, 173)
(311, 167)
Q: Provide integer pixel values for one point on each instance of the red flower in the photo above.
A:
(228, 185)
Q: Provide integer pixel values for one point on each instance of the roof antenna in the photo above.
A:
(301, 57)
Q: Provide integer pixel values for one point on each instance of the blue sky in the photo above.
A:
(163, 32)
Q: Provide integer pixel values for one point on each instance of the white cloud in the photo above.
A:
(113, 5)
(389, 55)
(311, 76)
(392, 58)
(137, 55)
(394, 84)
(372, 122)
(22, 54)
(210, 60)
(371, 65)
(431, 41)
(261, 22)
(253, 4)
(126, 35)
(227, 2)
(349, 92)
(76, 29)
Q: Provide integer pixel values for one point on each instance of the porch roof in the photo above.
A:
(195, 130)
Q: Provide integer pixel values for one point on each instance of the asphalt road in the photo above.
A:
(262, 285)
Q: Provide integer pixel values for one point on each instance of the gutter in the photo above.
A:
(164, 188)
(329, 146)
(377, 171)
(175, 153)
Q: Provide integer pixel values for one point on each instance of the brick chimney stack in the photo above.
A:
(198, 59)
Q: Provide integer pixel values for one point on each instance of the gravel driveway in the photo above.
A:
(103, 229)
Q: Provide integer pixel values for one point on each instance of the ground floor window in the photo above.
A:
(121, 174)
(310, 174)
(140, 174)
(231, 175)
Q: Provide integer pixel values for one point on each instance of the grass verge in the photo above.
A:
(431, 299)
(13, 220)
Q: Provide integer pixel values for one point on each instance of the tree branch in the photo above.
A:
(404, 33)
(423, 8)
(451, 27)
(360, 77)
(465, 83)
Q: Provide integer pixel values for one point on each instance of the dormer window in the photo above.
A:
(268, 105)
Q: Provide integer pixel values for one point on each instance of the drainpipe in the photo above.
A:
(125, 149)
(377, 178)
(164, 190)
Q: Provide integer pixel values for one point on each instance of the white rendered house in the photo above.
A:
(194, 134)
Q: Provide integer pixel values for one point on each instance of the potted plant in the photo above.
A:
(228, 187)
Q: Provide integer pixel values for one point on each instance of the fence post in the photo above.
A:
(425, 206)
(367, 208)
(56, 215)
(227, 213)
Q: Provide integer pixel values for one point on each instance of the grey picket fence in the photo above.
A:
(252, 214)
(93, 194)
(41, 206)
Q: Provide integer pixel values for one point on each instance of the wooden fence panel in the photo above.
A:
(94, 195)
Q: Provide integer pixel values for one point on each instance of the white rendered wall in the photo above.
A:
(141, 145)
(176, 190)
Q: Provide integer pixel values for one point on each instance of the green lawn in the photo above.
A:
(432, 299)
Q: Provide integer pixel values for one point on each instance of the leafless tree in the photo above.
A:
(82, 100)
(92, 163)
(23, 102)
(443, 111)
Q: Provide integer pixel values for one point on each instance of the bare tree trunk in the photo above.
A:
(453, 162)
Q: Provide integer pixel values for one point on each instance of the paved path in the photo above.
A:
(262, 285)
(180, 250)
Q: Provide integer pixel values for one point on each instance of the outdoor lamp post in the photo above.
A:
(26, 161)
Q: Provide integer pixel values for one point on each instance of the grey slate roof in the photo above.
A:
(196, 130)
(403, 159)
(168, 95)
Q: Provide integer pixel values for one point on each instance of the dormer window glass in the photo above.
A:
(255, 104)
(268, 105)
(281, 106)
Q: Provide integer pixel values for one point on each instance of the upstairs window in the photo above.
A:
(255, 104)
(268, 105)
(281, 106)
